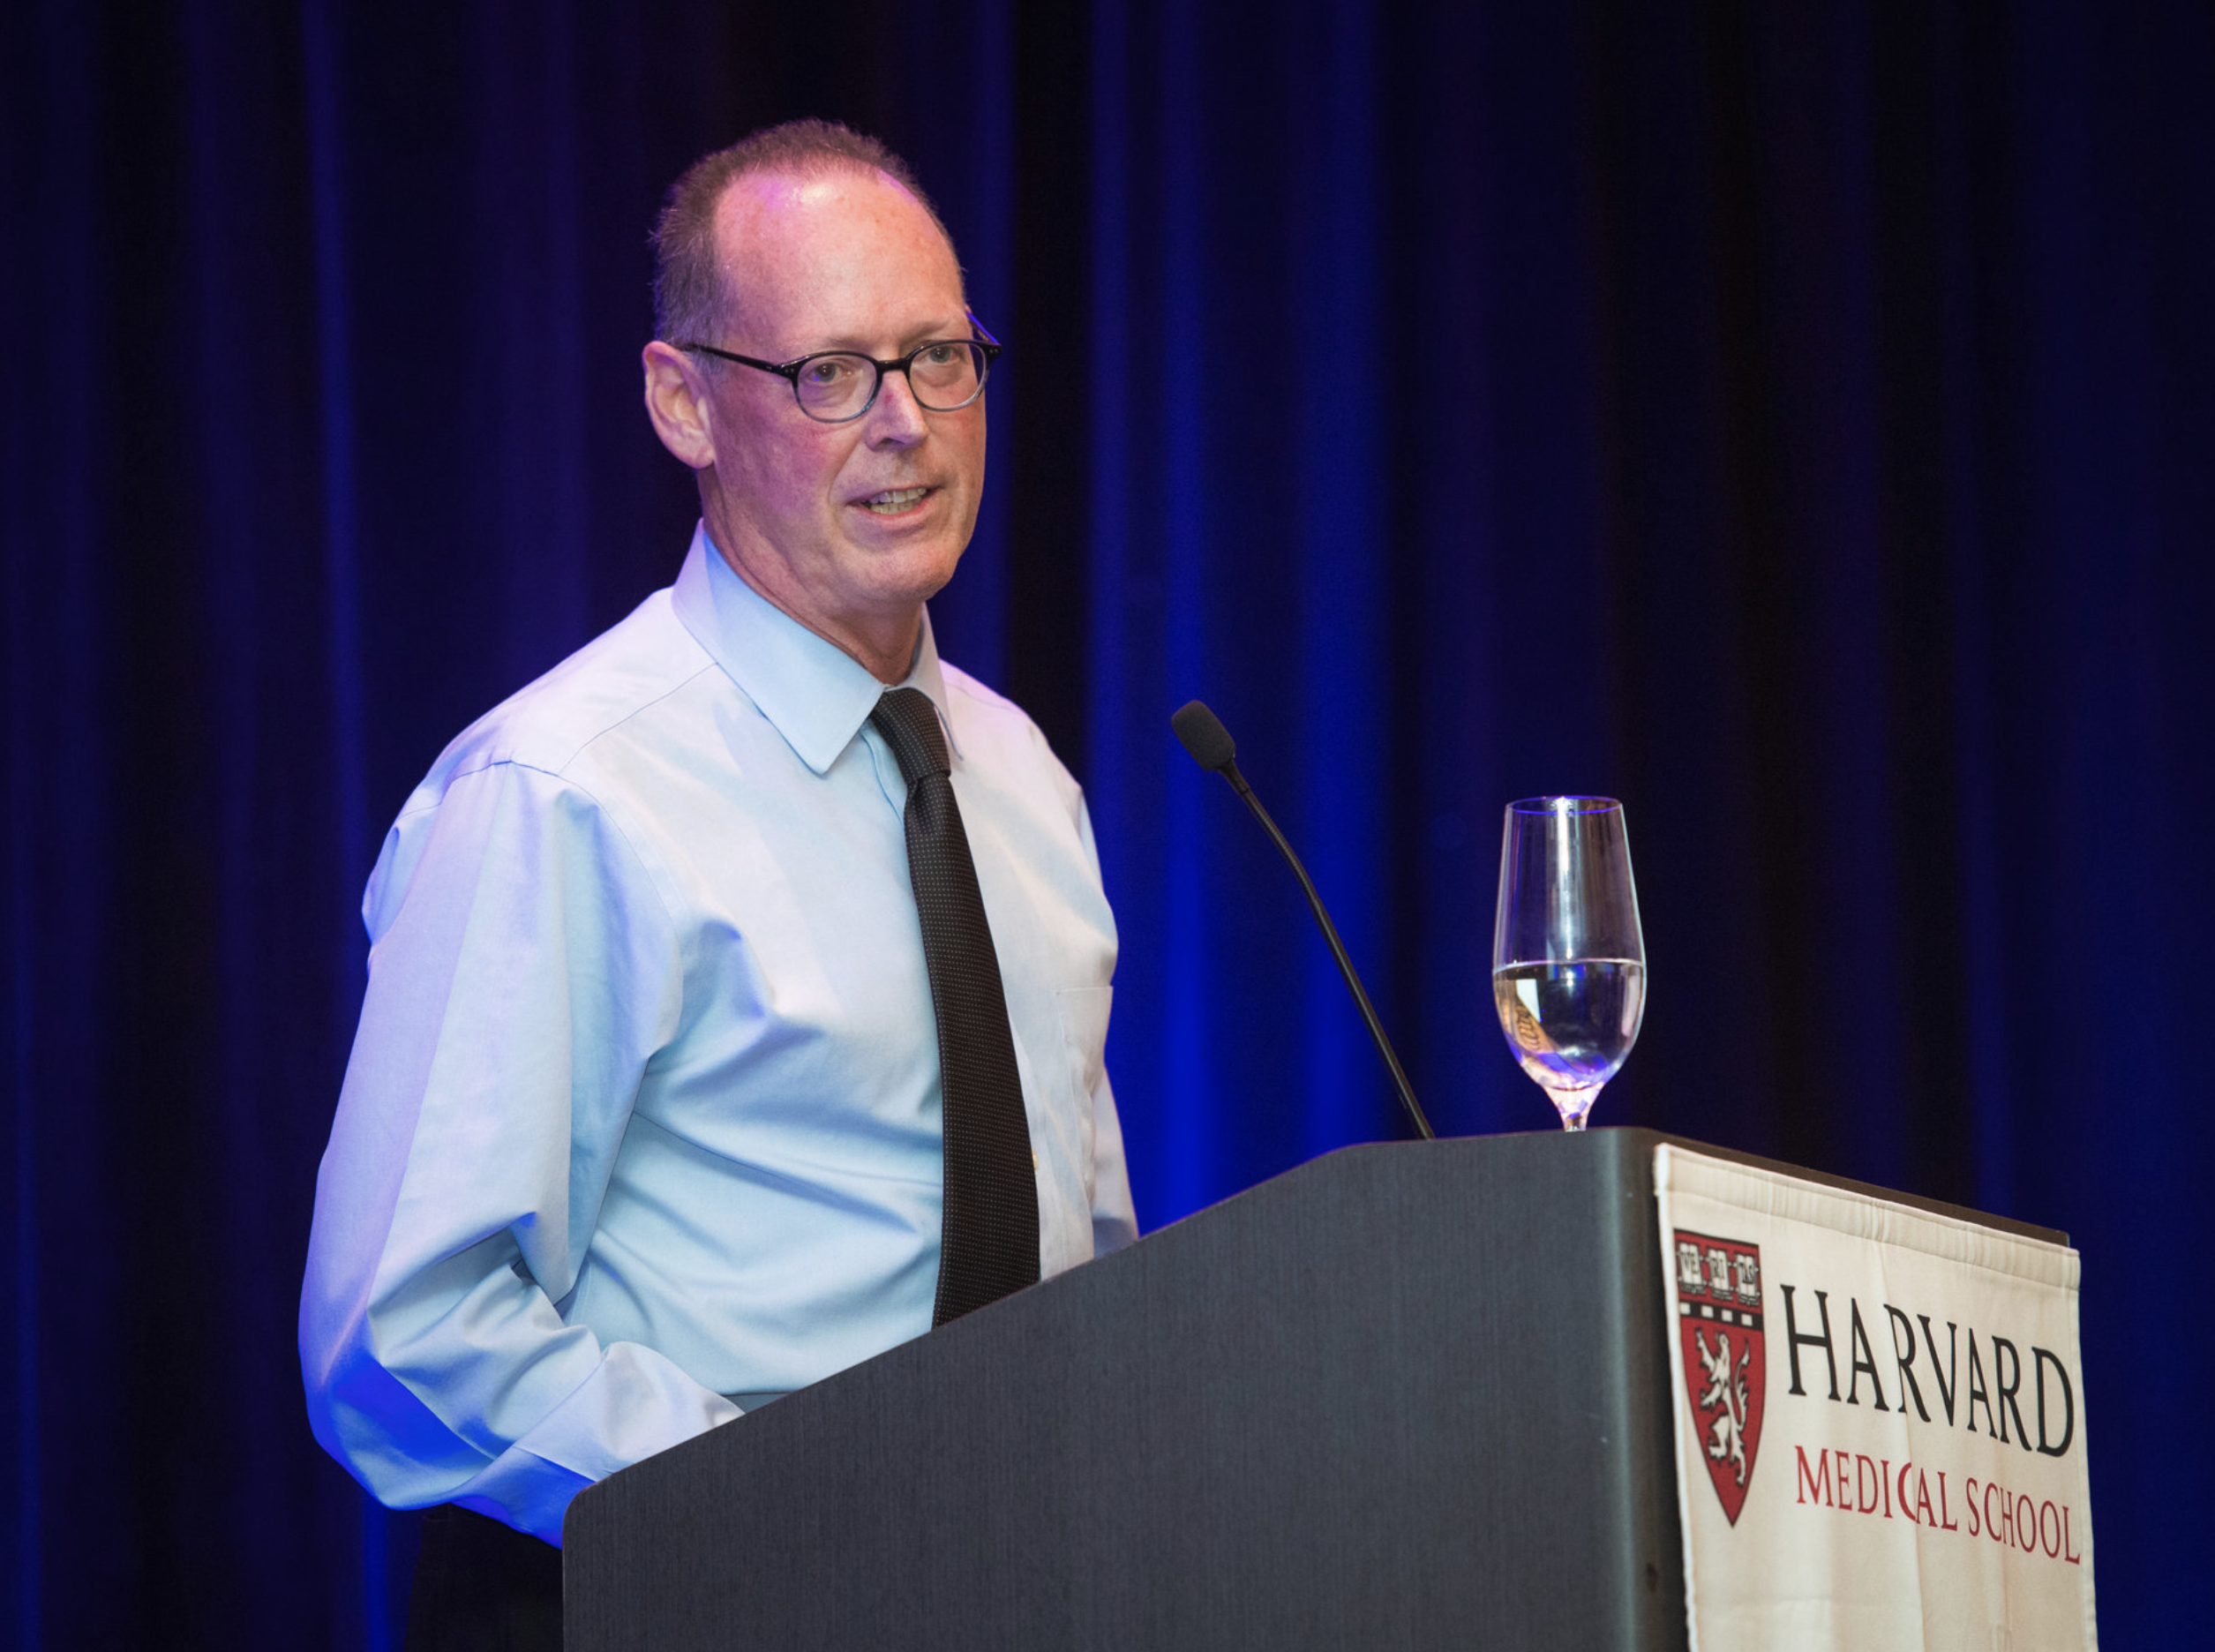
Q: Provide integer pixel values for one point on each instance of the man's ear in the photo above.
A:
(676, 402)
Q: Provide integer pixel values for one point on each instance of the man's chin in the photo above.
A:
(903, 570)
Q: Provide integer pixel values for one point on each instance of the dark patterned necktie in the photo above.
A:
(988, 1238)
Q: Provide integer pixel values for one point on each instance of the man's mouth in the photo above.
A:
(895, 501)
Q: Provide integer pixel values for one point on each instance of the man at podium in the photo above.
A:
(737, 990)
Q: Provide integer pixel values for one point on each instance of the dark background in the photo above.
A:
(1795, 421)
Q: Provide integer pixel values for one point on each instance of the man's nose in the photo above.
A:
(896, 421)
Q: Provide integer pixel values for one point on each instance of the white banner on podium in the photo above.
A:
(1880, 1421)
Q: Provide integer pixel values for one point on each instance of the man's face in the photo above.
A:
(848, 527)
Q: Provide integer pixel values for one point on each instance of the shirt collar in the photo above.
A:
(815, 694)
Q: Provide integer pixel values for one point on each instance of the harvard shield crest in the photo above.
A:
(1719, 1325)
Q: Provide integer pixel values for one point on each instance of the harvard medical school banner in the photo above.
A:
(1880, 1421)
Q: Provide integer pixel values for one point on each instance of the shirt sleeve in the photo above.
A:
(523, 970)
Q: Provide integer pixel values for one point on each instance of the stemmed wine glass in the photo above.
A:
(1568, 961)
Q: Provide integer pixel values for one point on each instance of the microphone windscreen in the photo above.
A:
(1204, 735)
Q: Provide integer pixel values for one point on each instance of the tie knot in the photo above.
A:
(909, 723)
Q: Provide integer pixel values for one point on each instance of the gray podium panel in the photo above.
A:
(1413, 1395)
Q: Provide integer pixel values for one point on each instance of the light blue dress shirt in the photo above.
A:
(643, 1108)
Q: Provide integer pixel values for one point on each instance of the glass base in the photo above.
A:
(1574, 1105)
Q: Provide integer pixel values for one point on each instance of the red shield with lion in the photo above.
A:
(1719, 1330)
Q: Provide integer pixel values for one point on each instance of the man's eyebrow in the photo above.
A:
(955, 328)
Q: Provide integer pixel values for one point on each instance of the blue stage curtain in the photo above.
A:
(1793, 421)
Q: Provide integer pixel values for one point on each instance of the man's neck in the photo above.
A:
(886, 651)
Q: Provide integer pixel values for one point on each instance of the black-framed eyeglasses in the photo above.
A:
(835, 386)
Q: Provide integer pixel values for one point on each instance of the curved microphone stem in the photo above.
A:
(1229, 771)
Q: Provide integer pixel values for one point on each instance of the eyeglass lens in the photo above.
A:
(944, 376)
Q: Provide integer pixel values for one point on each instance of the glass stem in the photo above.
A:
(1574, 1105)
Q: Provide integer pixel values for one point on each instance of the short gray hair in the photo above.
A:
(689, 297)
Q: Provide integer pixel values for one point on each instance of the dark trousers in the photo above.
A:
(483, 1586)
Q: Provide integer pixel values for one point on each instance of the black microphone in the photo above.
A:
(1211, 748)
